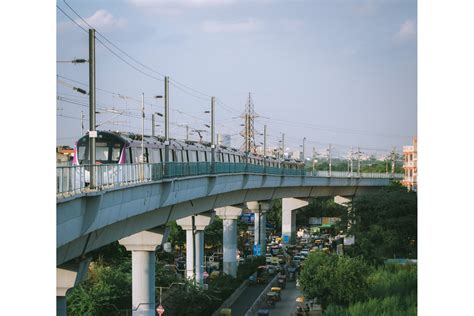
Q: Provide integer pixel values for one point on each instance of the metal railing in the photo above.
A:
(73, 180)
(348, 174)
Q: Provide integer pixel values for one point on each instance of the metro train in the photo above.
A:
(126, 148)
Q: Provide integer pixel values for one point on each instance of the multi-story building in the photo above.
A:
(224, 140)
(410, 159)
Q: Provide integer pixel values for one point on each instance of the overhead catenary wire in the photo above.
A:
(117, 51)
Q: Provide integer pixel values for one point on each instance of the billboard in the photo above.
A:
(315, 221)
(248, 218)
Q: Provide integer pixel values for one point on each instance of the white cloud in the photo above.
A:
(101, 20)
(104, 21)
(225, 27)
(177, 6)
(407, 31)
(368, 7)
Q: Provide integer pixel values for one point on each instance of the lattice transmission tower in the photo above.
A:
(248, 133)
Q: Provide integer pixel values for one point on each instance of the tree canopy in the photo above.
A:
(384, 224)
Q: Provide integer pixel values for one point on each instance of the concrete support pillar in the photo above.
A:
(260, 223)
(229, 216)
(68, 275)
(143, 246)
(195, 254)
(199, 264)
(189, 254)
(288, 218)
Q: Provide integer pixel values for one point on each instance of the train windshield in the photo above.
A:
(107, 149)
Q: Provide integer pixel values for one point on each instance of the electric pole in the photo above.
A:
(350, 157)
(82, 123)
(249, 129)
(358, 160)
(304, 140)
(283, 146)
(213, 141)
(393, 156)
(92, 109)
(264, 145)
(153, 124)
(330, 160)
(314, 159)
(167, 120)
(143, 128)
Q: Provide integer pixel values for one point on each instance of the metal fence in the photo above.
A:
(348, 174)
(72, 180)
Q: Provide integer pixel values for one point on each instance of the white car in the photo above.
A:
(268, 259)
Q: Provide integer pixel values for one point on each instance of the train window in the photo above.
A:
(155, 155)
(201, 156)
(173, 155)
(136, 155)
(81, 153)
(192, 155)
(226, 157)
(101, 151)
(116, 152)
(179, 154)
(128, 154)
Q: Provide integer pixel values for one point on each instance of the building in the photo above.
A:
(410, 166)
(224, 140)
(64, 155)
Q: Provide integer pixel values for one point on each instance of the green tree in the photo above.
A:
(334, 279)
(384, 224)
(319, 207)
(106, 290)
(274, 215)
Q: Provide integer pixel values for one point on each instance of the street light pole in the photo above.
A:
(304, 140)
(92, 109)
(283, 146)
(167, 117)
(330, 160)
(264, 146)
(153, 124)
(213, 144)
(143, 128)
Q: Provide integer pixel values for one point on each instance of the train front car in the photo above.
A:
(109, 151)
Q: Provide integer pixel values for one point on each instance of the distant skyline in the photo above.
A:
(340, 72)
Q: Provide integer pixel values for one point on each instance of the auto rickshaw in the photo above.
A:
(291, 273)
(225, 312)
(277, 290)
(263, 312)
(282, 281)
(262, 275)
(272, 298)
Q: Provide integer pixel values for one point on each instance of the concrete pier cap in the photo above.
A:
(201, 221)
(259, 206)
(147, 240)
(194, 269)
(342, 200)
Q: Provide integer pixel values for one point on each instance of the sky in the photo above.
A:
(339, 72)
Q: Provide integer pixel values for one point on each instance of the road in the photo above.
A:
(287, 305)
(246, 299)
